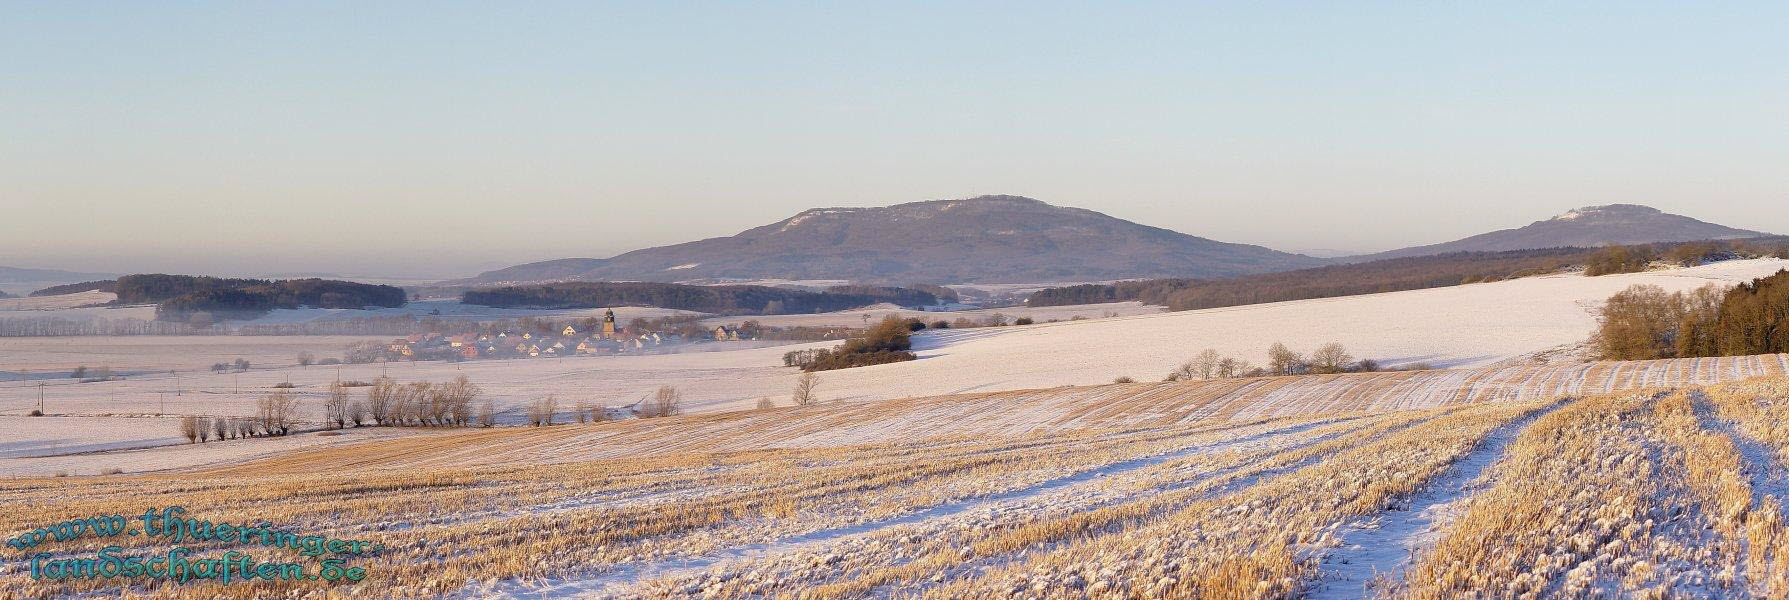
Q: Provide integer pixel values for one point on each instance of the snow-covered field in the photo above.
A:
(60, 302)
(1488, 325)
(1680, 481)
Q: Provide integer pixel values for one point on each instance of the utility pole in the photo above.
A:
(40, 398)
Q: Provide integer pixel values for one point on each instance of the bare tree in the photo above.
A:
(306, 359)
(582, 411)
(665, 402)
(413, 402)
(277, 411)
(487, 414)
(766, 403)
(335, 406)
(380, 398)
(204, 427)
(540, 412)
(459, 395)
(1228, 367)
(1283, 361)
(1330, 358)
(220, 427)
(355, 413)
(189, 428)
(804, 389)
(1205, 364)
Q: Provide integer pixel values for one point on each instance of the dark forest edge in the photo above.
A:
(196, 299)
(1400, 274)
(720, 299)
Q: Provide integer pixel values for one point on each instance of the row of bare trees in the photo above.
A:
(275, 414)
(1281, 360)
(414, 403)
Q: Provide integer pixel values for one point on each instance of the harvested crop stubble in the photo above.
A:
(907, 559)
(1260, 541)
(1614, 495)
(445, 527)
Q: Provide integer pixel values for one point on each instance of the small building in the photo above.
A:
(569, 331)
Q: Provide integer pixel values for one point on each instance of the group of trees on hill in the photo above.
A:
(186, 298)
(1388, 275)
(722, 299)
(105, 285)
(1645, 322)
(891, 295)
(1398, 274)
(887, 342)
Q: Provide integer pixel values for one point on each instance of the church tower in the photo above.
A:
(609, 324)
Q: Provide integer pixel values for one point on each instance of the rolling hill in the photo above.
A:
(983, 239)
(1586, 227)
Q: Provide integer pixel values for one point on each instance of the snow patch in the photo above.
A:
(684, 266)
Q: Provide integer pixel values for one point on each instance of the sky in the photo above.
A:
(441, 139)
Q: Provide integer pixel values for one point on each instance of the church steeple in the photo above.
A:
(609, 323)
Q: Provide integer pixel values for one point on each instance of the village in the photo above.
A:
(564, 340)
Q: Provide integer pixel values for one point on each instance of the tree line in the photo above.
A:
(1645, 322)
(721, 299)
(187, 298)
(106, 285)
(1399, 274)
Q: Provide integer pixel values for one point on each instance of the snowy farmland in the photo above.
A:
(1456, 327)
(1339, 505)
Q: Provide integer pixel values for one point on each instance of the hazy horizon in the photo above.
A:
(436, 141)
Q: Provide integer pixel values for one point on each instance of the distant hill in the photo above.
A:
(1588, 227)
(20, 275)
(983, 239)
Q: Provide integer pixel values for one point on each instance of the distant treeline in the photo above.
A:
(58, 326)
(1391, 275)
(106, 285)
(185, 298)
(722, 299)
(1645, 322)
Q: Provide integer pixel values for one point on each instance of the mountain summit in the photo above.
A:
(982, 239)
(1590, 226)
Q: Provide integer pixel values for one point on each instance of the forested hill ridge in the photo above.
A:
(1587, 227)
(208, 299)
(1406, 273)
(719, 299)
(982, 239)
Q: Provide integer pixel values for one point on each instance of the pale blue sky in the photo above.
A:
(438, 139)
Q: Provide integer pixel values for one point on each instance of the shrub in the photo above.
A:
(487, 414)
(540, 412)
(665, 402)
(36, 413)
(284, 385)
(1023, 321)
(111, 471)
(941, 324)
(1124, 379)
(1618, 259)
